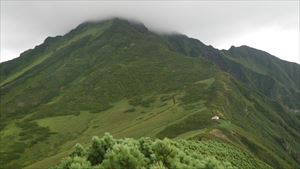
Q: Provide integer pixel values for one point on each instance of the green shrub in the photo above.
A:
(74, 163)
(99, 148)
(143, 153)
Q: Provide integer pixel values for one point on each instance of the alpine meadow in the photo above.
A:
(112, 94)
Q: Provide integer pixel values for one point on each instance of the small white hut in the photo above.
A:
(215, 118)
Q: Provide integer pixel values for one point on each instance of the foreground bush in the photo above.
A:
(143, 153)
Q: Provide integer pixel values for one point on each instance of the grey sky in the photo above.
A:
(272, 26)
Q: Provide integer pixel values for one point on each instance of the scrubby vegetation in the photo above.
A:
(110, 153)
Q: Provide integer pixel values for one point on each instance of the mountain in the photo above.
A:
(117, 76)
(277, 79)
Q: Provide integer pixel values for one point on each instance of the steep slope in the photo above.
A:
(275, 78)
(285, 76)
(116, 76)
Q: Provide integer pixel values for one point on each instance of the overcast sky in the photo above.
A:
(272, 26)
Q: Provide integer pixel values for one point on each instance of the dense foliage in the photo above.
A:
(147, 153)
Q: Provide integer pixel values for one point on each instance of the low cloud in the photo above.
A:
(272, 26)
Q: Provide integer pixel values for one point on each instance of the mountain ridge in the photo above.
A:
(114, 72)
(247, 74)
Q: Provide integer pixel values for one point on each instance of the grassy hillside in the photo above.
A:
(116, 76)
(274, 78)
(284, 75)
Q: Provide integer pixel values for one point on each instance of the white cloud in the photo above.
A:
(281, 43)
(25, 24)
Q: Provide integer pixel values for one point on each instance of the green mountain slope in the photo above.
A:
(117, 76)
(284, 75)
(275, 78)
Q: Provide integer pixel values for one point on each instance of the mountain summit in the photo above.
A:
(117, 76)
